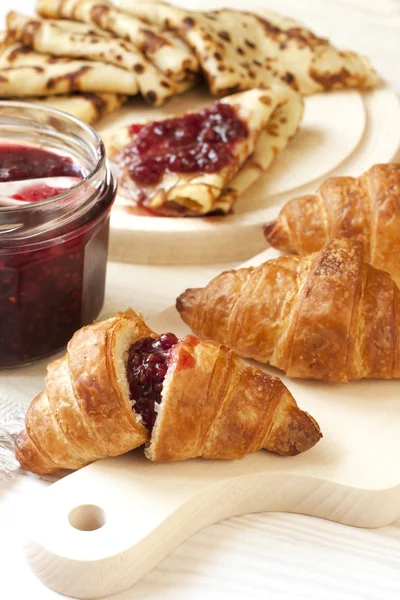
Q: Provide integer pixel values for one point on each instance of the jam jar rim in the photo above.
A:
(58, 112)
(61, 238)
(102, 170)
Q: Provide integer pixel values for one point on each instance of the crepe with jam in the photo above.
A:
(200, 162)
(24, 72)
(78, 40)
(165, 49)
(240, 50)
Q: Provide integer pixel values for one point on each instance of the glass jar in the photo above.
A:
(53, 252)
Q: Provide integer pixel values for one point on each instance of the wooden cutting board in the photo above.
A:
(99, 530)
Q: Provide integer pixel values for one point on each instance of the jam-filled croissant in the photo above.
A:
(365, 208)
(120, 386)
(327, 315)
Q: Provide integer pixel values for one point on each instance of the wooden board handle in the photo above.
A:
(98, 531)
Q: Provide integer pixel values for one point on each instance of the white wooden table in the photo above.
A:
(263, 556)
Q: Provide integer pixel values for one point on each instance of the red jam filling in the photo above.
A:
(35, 193)
(51, 289)
(46, 295)
(26, 162)
(201, 141)
(146, 369)
(185, 359)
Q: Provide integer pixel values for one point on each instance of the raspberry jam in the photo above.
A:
(19, 162)
(53, 249)
(37, 192)
(146, 369)
(194, 142)
(185, 360)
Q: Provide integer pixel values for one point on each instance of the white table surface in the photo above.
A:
(263, 556)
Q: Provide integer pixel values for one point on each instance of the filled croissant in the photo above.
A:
(327, 315)
(120, 386)
(366, 208)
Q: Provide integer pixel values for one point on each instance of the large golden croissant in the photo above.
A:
(120, 385)
(366, 208)
(327, 315)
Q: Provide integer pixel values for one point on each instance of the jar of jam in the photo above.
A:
(56, 192)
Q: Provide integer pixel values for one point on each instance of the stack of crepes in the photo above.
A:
(88, 56)
(262, 64)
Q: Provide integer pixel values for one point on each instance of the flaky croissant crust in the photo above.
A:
(365, 208)
(212, 405)
(83, 414)
(223, 409)
(327, 315)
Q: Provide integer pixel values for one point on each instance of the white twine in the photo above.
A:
(17, 388)
(13, 424)
(9, 466)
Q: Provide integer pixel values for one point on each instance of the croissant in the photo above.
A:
(327, 315)
(366, 208)
(120, 386)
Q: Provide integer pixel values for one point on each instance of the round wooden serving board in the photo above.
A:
(342, 133)
(99, 530)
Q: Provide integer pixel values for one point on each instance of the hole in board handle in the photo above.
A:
(87, 517)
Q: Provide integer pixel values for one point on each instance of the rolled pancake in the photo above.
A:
(240, 50)
(272, 117)
(89, 108)
(79, 27)
(52, 37)
(24, 72)
(166, 50)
